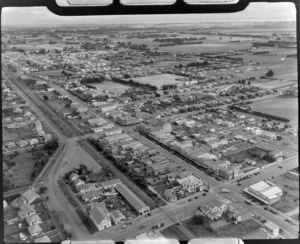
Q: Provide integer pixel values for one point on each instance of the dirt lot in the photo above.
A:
(238, 230)
(291, 194)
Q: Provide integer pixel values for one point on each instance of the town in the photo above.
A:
(150, 132)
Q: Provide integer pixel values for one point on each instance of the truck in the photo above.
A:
(225, 191)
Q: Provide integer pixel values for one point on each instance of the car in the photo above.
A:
(196, 197)
(142, 226)
(204, 194)
(190, 200)
(124, 226)
(280, 167)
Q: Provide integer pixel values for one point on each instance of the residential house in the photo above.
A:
(269, 135)
(29, 196)
(22, 143)
(35, 230)
(26, 210)
(191, 183)
(86, 187)
(33, 141)
(238, 212)
(111, 183)
(33, 220)
(10, 144)
(272, 228)
(113, 131)
(73, 177)
(214, 209)
(250, 161)
(100, 217)
(170, 196)
(117, 217)
(78, 182)
(43, 239)
(91, 195)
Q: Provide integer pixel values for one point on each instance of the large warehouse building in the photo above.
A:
(132, 199)
(265, 191)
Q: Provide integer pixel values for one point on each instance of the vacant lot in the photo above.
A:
(173, 232)
(290, 200)
(159, 80)
(111, 86)
(238, 230)
(80, 156)
(21, 173)
(197, 229)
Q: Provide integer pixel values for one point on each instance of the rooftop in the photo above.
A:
(130, 197)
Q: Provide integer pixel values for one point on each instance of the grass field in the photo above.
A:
(291, 188)
(159, 80)
(80, 156)
(111, 86)
(285, 107)
(273, 84)
(198, 230)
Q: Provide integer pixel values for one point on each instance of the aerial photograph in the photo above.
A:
(149, 127)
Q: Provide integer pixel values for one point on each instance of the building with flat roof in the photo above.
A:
(132, 199)
(265, 191)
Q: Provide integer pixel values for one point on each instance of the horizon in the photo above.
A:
(255, 12)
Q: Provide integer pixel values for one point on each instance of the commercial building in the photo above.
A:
(100, 217)
(132, 199)
(265, 191)
(191, 183)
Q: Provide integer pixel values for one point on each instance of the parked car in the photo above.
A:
(124, 226)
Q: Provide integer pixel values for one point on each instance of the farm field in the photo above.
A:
(221, 46)
(285, 107)
(79, 156)
(111, 86)
(290, 200)
(158, 80)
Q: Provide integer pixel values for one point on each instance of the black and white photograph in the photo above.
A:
(150, 127)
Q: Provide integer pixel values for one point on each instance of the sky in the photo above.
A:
(41, 16)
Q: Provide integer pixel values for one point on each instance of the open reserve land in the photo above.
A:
(159, 80)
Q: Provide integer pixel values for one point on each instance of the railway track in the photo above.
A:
(67, 128)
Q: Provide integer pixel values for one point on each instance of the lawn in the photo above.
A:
(17, 134)
(238, 230)
(197, 229)
(291, 194)
(161, 188)
(111, 86)
(173, 232)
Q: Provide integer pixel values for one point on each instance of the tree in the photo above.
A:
(199, 218)
(46, 98)
(270, 73)
(43, 189)
(42, 51)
